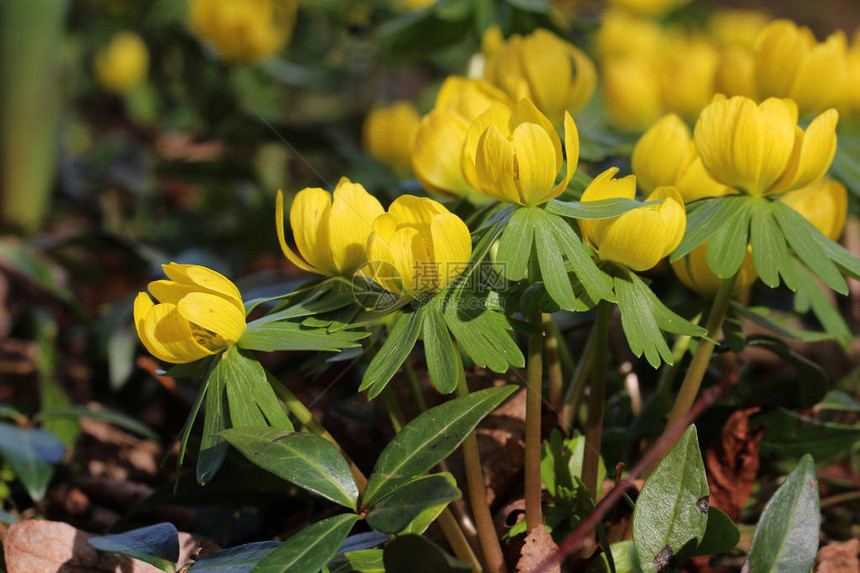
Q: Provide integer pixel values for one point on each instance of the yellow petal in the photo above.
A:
(142, 305)
(350, 224)
(674, 216)
(823, 203)
(734, 75)
(388, 133)
(812, 154)
(820, 81)
(285, 248)
(694, 183)
(380, 266)
(167, 336)
(534, 170)
(202, 279)
(469, 98)
(778, 127)
(604, 186)
(631, 93)
(528, 113)
(413, 262)
(170, 291)
(498, 116)
(437, 153)
(548, 70)
(214, 314)
(309, 217)
(416, 212)
(571, 150)
(495, 167)
(661, 153)
(694, 272)
(452, 246)
(780, 50)
(584, 82)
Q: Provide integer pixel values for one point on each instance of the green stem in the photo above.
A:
(551, 345)
(534, 394)
(490, 545)
(596, 399)
(395, 414)
(669, 373)
(693, 379)
(577, 384)
(414, 385)
(567, 364)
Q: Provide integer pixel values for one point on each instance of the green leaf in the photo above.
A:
(252, 402)
(239, 559)
(786, 539)
(32, 455)
(307, 460)
(515, 245)
(810, 293)
(596, 283)
(213, 447)
(394, 512)
(603, 209)
(332, 294)
(706, 218)
(838, 400)
(429, 439)
(759, 316)
(185, 432)
(721, 535)
(799, 233)
(769, 253)
(416, 554)
(443, 359)
(275, 336)
(727, 248)
(484, 334)
(624, 555)
(52, 396)
(116, 418)
(365, 561)
(394, 351)
(790, 435)
(157, 545)
(552, 269)
(671, 513)
(310, 549)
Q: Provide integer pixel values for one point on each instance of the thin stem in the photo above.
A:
(551, 344)
(699, 365)
(577, 384)
(596, 398)
(668, 374)
(534, 379)
(395, 414)
(567, 364)
(414, 385)
(490, 545)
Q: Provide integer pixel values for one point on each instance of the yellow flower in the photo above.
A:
(330, 233)
(388, 133)
(737, 28)
(123, 63)
(666, 156)
(631, 93)
(734, 75)
(411, 5)
(789, 63)
(851, 100)
(759, 149)
(492, 41)
(515, 157)
(243, 30)
(553, 73)
(418, 247)
(624, 35)
(199, 314)
(824, 203)
(693, 270)
(648, 7)
(439, 139)
(687, 66)
(640, 238)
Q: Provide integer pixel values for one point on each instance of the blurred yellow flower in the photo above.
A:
(199, 313)
(759, 149)
(686, 72)
(693, 271)
(824, 203)
(851, 100)
(553, 73)
(648, 7)
(737, 28)
(439, 139)
(417, 247)
(330, 232)
(492, 41)
(388, 133)
(410, 5)
(790, 63)
(243, 30)
(734, 75)
(631, 93)
(515, 157)
(640, 238)
(123, 63)
(624, 35)
(666, 156)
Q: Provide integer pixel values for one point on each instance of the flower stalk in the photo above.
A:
(596, 398)
(534, 378)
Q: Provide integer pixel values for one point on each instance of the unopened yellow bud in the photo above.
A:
(693, 271)
(824, 203)
(388, 133)
(123, 63)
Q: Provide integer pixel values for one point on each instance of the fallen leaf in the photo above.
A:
(839, 558)
(538, 546)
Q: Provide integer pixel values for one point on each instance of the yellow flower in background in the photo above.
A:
(851, 99)
(693, 271)
(418, 247)
(439, 139)
(790, 63)
(199, 313)
(686, 72)
(330, 232)
(123, 63)
(648, 7)
(388, 133)
(824, 203)
(666, 156)
(557, 76)
(243, 30)
(515, 157)
(638, 239)
(625, 35)
(631, 93)
(410, 5)
(759, 149)
(492, 41)
(734, 75)
(737, 28)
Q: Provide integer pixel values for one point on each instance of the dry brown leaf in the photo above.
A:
(839, 558)
(732, 463)
(38, 546)
(538, 546)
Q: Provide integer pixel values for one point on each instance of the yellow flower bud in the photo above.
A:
(648, 7)
(737, 28)
(666, 156)
(623, 35)
(418, 247)
(469, 97)
(123, 63)
(515, 157)
(388, 133)
(759, 149)
(734, 76)
(553, 73)
(492, 41)
(631, 93)
(693, 271)
(330, 232)
(199, 313)
(789, 63)
(824, 203)
(243, 30)
(686, 72)
(640, 238)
